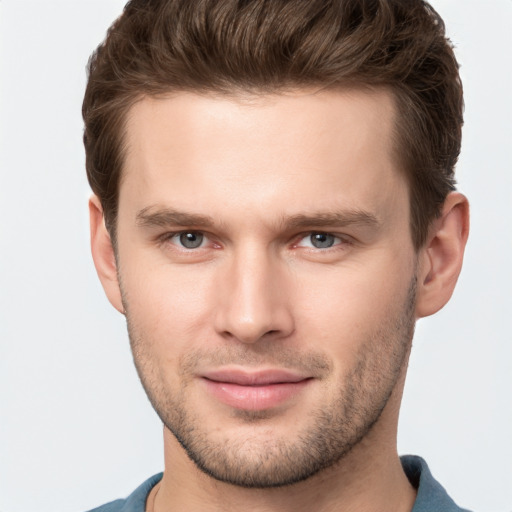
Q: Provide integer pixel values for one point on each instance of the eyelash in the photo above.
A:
(167, 238)
(339, 240)
(342, 240)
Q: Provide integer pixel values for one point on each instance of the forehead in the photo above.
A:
(270, 119)
(293, 149)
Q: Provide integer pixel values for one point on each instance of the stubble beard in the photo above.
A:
(331, 431)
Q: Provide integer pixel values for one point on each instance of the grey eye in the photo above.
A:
(191, 240)
(322, 240)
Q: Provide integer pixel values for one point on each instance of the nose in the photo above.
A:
(253, 302)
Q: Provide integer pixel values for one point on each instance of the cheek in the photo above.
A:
(164, 311)
(165, 302)
(343, 307)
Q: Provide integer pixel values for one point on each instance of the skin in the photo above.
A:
(256, 177)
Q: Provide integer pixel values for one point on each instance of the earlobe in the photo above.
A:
(441, 259)
(103, 254)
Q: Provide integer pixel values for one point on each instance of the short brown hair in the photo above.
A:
(264, 46)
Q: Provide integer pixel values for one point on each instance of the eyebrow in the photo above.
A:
(161, 217)
(153, 216)
(337, 219)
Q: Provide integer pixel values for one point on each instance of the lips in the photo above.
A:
(254, 391)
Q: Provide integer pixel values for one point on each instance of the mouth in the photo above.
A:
(256, 390)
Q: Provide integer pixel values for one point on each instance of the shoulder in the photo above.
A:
(431, 497)
(136, 502)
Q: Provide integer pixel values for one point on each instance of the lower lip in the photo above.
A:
(255, 398)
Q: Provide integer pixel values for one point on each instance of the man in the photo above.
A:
(274, 208)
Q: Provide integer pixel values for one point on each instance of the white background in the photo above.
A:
(75, 427)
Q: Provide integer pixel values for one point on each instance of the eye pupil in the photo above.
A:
(322, 240)
(191, 240)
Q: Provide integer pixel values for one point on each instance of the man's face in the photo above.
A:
(268, 275)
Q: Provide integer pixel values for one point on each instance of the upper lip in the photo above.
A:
(254, 378)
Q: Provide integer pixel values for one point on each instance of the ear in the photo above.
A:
(441, 257)
(103, 254)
